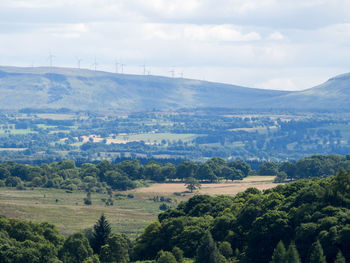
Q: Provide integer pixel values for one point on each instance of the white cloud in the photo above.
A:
(276, 36)
(263, 41)
(278, 84)
(218, 33)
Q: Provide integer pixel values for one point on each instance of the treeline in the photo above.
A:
(121, 176)
(129, 174)
(309, 167)
(309, 217)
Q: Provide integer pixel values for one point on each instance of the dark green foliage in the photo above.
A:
(281, 177)
(165, 257)
(253, 222)
(178, 254)
(192, 184)
(164, 207)
(340, 258)
(268, 168)
(101, 232)
(292, 255)
(279, 254)
(316, 253)
(92, 259)
(76, 249)
(116, 249)
(87, 199)
(23, 241)
(225, 249)
(149, 243)
(208, 252)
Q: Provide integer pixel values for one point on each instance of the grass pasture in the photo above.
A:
(127, 215)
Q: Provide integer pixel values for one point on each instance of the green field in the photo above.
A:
(157, 137)
(127, 215)
(69, 213)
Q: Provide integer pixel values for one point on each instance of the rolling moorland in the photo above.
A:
(81, 89)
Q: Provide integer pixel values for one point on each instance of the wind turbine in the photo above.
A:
(116, 66)
(50, 58)
(95, 64)
(181, 74)
(144, 69)
(78, 62)
(122, 66)
(172, 72)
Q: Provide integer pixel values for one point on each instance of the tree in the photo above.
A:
(340, 258)
(93, 259)
(165, 257)
(186, 169)
(118, 180)
(87, 199)
(205, 172)
(75, 249)
(281, 177)
(292, 255)
(116, 249)
(178, 254)
(231, 173)
(192, 184)
(279, 254)
(102, 230)
(268, 168)
(316, 254)
(225, 249)
(208, 252)
(148, 243)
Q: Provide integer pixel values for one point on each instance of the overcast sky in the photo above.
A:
(276, 44)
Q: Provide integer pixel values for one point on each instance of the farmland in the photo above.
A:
(197, 135)
(127, 215)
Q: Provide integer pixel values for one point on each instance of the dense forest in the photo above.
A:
(305, 215)
(303, 221)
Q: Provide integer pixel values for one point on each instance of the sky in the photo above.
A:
(268, 44)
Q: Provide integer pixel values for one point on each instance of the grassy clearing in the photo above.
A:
(16, 131)
(227, 188)
(127, 215)
(13, 149)
(158, 137)
(54, 116)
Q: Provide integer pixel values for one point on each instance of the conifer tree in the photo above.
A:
(208, 252)
(340, 258)
(292, 255)
(316, 254)
(279, 254)
(102, 231)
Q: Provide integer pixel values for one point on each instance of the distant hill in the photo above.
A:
(334, 94)
(82, 89)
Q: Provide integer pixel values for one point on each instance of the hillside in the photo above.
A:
(81, 89)
(333, 94)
